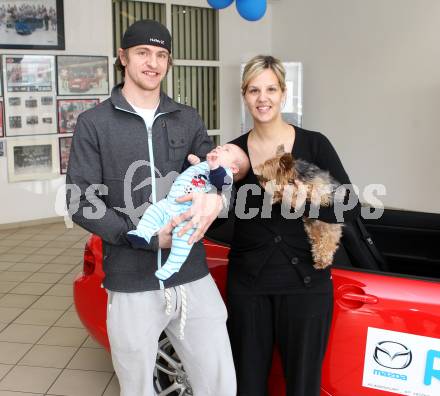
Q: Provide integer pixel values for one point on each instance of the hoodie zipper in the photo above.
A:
(153, 174)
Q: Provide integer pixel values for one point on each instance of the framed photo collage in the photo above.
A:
(41, 99)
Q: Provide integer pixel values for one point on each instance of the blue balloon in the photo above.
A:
(252, 10)
(218, 4)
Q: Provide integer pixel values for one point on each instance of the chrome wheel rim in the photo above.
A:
(170, 378)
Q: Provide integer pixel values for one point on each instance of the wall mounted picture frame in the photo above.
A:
(27, 116)
(64, 148)
(2, 147)
(82, 75)
(29, 73)
(32, 158)
(69, 110)
(32, 24)
(29, 95)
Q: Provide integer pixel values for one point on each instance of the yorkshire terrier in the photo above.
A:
(305, 183)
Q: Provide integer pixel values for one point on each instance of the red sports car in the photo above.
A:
(83, 83)
(385, 336)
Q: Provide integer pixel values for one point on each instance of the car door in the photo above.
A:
(385, 335)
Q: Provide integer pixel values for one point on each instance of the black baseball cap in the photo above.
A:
(147, 32)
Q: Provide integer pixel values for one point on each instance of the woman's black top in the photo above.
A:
(270, 253)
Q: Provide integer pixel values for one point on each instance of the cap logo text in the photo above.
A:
(155, 40)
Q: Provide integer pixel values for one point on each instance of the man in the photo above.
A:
(136, 136)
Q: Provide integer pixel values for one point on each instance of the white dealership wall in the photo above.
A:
(372, 85)
(88, 31)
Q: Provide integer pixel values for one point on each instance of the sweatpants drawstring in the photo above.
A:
(168, 301)
(183, 308)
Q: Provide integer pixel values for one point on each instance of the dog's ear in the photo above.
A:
(286, 162)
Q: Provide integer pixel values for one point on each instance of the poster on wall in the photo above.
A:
(32, 24)
(33, 158)
(82, 75)
(69, 110)
(65, 143)
(29, 96)
(29, 73)
(292, 108)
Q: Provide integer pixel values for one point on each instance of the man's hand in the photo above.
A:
(203, 211)
(193, 159)
(164, 235)
(213, 160)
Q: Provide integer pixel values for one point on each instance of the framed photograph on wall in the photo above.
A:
(82, 75)
(69, 110)
(29, 73)
(34, 158)
(65, 143)
(30, 114)
(32, 24)
(29, 97)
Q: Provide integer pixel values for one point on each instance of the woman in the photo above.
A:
(274, 293)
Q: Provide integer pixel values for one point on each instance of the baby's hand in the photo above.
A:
(193, 159)
(213, 160)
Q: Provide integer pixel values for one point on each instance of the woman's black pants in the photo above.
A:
(298, 323)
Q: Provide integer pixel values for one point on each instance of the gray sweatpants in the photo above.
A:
(135, 322)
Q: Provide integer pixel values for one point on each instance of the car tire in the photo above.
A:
(170, 378)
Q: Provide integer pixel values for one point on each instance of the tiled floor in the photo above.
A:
(44, 349)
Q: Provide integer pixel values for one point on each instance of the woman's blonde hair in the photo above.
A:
(257, 65)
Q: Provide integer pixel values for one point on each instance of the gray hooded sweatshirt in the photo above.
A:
(110, 183)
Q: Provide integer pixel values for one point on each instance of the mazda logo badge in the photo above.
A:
(392, 355)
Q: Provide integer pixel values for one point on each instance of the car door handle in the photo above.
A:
(363, 298)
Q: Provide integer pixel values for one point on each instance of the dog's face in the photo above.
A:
(283, 175)
(275, 174)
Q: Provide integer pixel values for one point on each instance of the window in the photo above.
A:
(195, 50)
(194, 78)
(195, 33)
(126, 12)
(197, 86)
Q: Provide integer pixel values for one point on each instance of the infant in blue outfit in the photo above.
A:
(223, 165)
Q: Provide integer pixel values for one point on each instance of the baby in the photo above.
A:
(223, 165)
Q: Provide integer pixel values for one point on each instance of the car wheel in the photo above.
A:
(170, 378)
